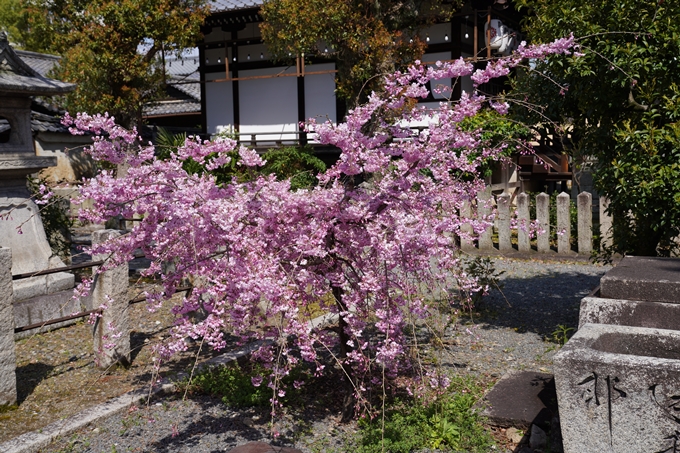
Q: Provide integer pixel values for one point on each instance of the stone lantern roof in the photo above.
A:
(19, 83)
(17, 78)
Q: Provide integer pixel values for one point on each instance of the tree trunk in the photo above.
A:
(349, 399)
(646, 238)
(648, 245)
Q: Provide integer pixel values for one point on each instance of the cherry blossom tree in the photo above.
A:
(374, 243)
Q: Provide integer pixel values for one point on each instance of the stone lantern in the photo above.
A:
(20, 226)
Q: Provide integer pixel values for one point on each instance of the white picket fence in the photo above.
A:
(506, 228)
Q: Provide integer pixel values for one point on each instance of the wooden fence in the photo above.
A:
(511, 224)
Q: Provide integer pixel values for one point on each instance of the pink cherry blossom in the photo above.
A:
(373, 243)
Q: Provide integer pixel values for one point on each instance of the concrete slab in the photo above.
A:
(643, 278)
(520, 399)
(659, 315)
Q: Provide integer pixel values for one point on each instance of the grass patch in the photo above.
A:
(448, 424)
(5, 408)
(233, 384)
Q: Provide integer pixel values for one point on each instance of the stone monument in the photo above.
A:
(618, 389)
(21, 228)
(618, 377)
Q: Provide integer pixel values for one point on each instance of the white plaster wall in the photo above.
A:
(269, 104)
(219, 102)
(432, 106)
(443, 84)
(320, 93)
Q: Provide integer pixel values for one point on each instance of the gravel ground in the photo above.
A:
(517, 327)
(56, 376)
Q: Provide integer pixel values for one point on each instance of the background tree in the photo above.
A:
(620, 107)
(109, 48)
(367, 38)
(26, 24)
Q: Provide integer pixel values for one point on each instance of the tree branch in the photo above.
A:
(151, 53)
(635, 104)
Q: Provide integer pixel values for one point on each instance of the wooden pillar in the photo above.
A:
(523, 217)
(234, 83)
(301, 113)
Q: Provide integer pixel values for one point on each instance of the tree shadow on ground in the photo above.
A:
(137, 341)
(190, 431)
(178, 429)
(29, 377)
(538, 304)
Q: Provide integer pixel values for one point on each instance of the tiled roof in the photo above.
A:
(47, 106)
(189, 86)
(218, 6)
(183, 97)
(182, 74)
(186, 66)
(184, 89)
(41, 63)
(172, 107)
(47, 123)
(40, 122)
(17, 77)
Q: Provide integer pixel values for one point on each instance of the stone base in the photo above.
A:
(28, 288)
(618, 389)
(45, 308)
(643, 278)
(23, 231)
(658, 315)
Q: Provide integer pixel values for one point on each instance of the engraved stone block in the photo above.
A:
(543, 218)
(585, 223)
(618, 389)
(524, 219)
(504, 234)
(659, 315)
(563, 223)
(485, 209)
